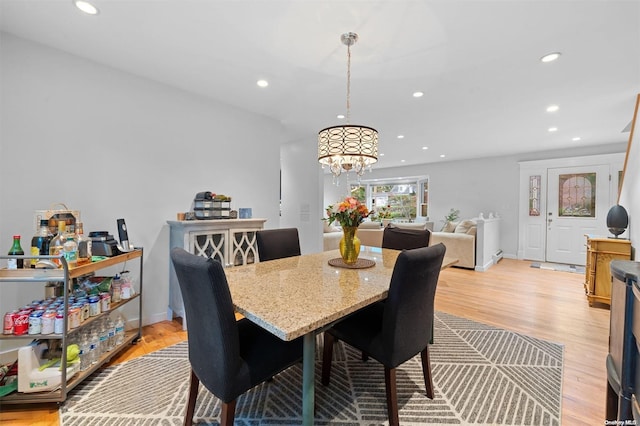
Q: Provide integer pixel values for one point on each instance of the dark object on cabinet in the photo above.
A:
(617, 220)
(624, 336)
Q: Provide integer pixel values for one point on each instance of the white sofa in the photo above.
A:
(369, 233)
(474, 242)
(331, 236)
(460, 240)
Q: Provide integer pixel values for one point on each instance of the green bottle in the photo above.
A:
(16, 250)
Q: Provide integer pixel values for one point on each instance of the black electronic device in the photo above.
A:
(103, 244)
(124, 236)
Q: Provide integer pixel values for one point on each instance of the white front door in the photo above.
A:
(577, 204)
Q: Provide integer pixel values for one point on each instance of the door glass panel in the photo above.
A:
(577, 195)
(534, 195)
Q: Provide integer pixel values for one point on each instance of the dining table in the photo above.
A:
(304, 295)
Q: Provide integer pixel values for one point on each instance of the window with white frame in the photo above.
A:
(397, 199)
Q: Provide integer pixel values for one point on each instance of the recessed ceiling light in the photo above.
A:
(402, 161)
(442, 155)
(552, 108)
(418, 94)
(550, 57)
(400, 136)
(552, 129)
(86, 7)
(340, 116)
(262, 83)
(381, 154)
(425, 147)
(576, 139)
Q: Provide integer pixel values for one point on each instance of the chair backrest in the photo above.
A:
(405, 239)
(277, 243)
(214, 347)
(408, 310)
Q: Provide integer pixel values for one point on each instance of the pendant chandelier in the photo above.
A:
(348, 147)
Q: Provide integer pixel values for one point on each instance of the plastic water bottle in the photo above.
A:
(94, 350)
(104, 338)
(111, 330)
(119, 331)
(85, 352)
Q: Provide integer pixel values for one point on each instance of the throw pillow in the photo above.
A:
(411, 225)
(450, 226)
(370, 225)
(464, 226)
(329, 228)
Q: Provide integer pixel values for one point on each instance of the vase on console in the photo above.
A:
(349, 245)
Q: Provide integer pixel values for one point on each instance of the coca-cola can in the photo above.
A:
(8, 327)
(21, 323)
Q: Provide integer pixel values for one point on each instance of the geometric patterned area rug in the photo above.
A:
(482, 376)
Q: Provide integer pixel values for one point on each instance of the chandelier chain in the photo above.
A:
(348, 83)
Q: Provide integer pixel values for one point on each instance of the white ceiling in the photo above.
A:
(476, 61)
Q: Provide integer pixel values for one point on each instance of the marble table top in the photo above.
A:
(294, 296)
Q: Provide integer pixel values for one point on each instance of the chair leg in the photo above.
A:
(392, 396)
(228, 413)
(191, 402)
(426, 371)
(327, 356)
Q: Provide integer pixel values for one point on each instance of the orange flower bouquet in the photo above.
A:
(347, 213)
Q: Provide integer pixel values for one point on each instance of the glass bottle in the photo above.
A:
(16, 250)
(70, 250)
(40, 242)
(56, 246)
(84, 245)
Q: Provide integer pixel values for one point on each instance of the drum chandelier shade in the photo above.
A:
(350, 146)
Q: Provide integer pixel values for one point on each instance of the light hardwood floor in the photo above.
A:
(544, 304)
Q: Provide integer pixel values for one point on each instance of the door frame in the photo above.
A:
(532, 230)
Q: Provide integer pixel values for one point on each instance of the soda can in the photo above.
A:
(58, 325)
(9, 322)
(35, 322)
(48, 321)
(21, 323)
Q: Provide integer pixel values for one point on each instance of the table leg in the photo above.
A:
(308, 379)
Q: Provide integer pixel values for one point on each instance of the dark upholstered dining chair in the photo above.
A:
(229, 357)
(405, 239)
(395, 331)
(277, 243)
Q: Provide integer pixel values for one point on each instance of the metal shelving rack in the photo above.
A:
(66, 274)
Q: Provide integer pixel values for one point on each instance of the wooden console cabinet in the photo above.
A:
(230, 241)
(600, 253)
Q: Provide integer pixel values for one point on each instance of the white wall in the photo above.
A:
(301, 192)
(480, 185)
(629, 195)
(113, 145)
(335, 190)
